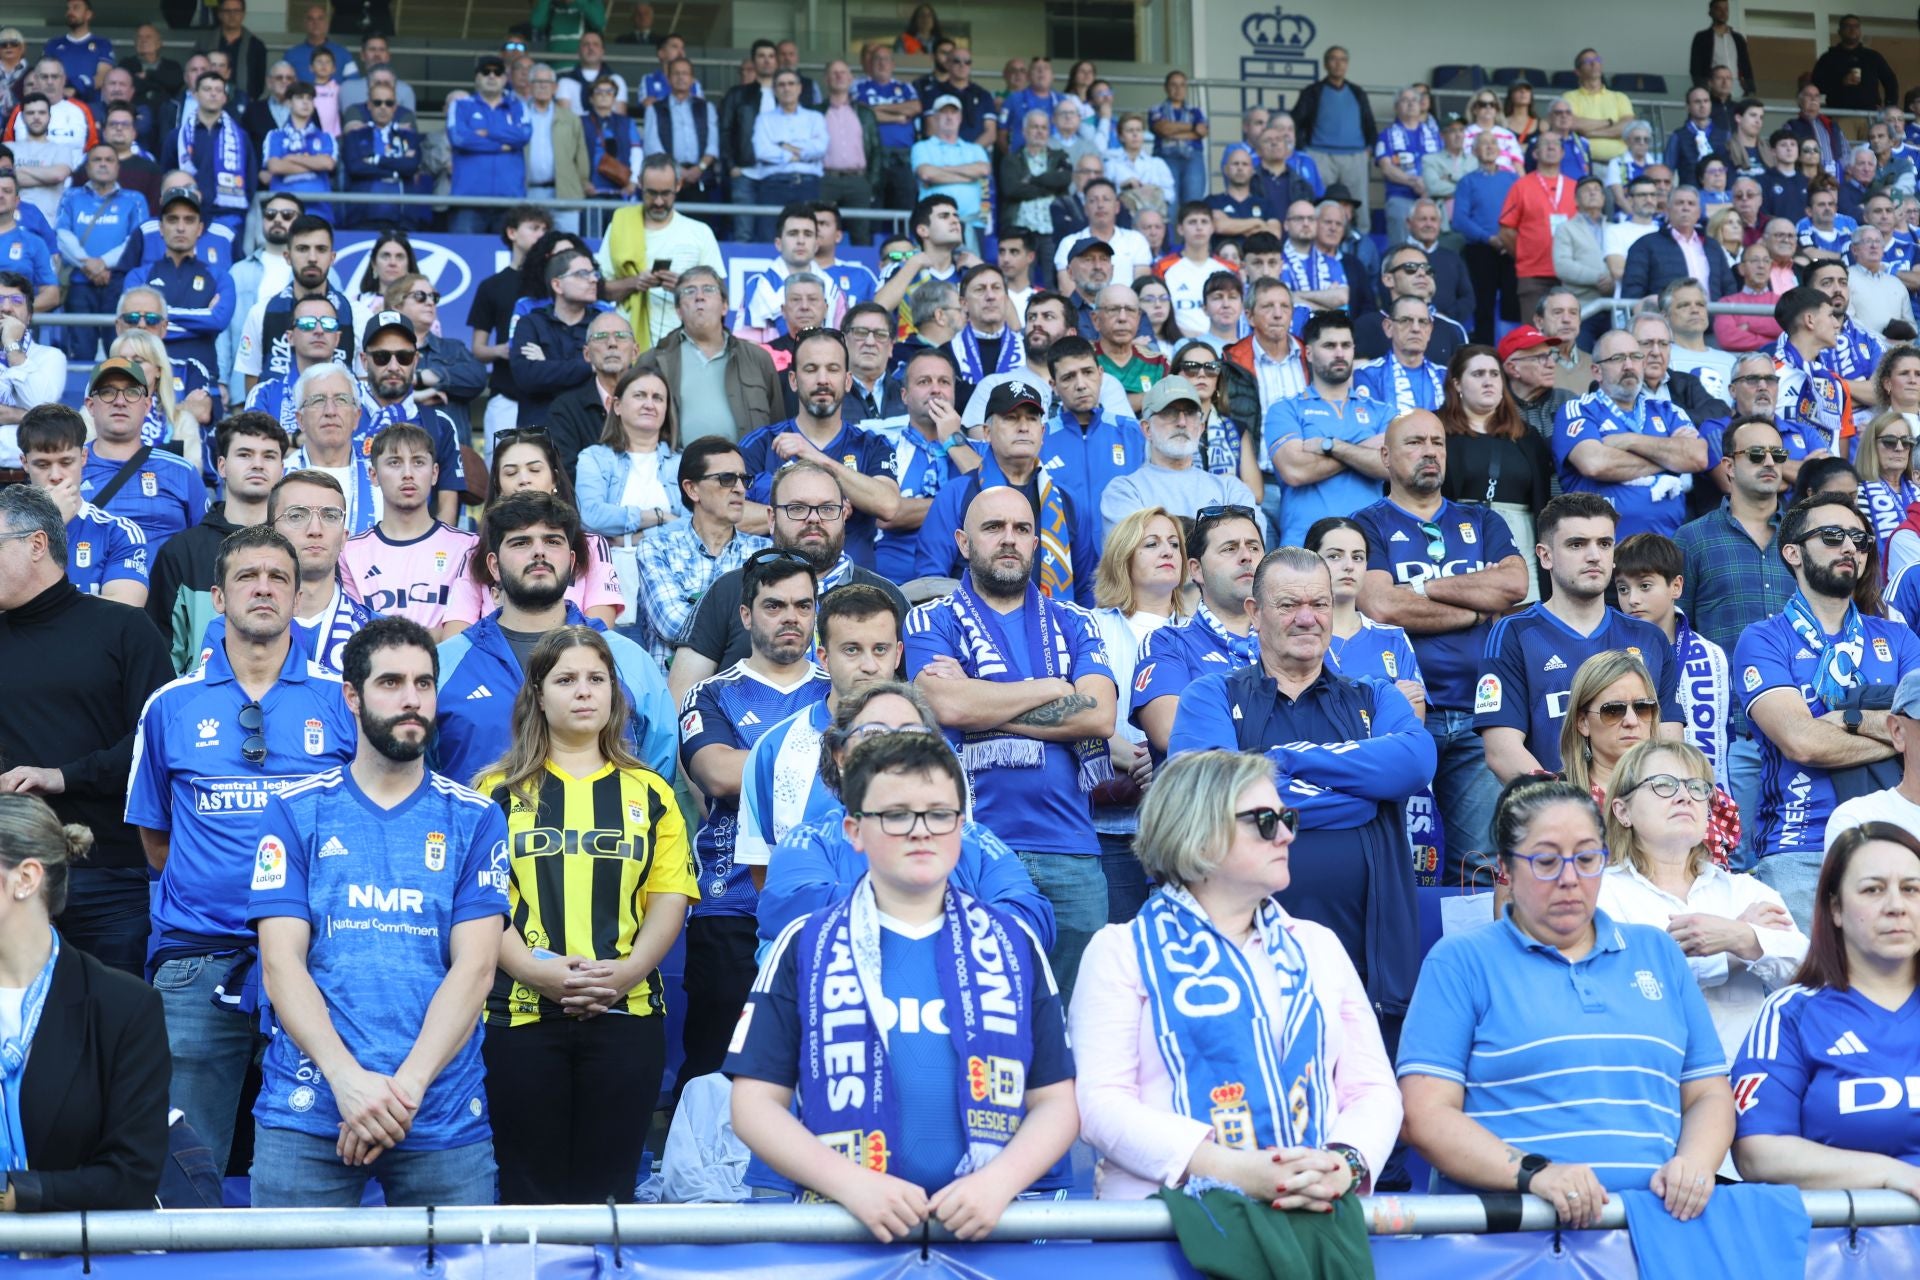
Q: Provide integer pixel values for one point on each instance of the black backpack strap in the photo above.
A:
(120, 477)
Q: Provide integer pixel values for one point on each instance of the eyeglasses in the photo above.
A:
(584, 273)
(253, 721)
(1760, 453)
(1615, 712)
(301, 517)
(133, 319)
(1197, 366)
(901, 822)
(864, 333)
(1436, 541)
(607, 337)
(119, 395)
(824, 512)
(728, 479)
(1666, 786)
(1543, 359)
(1901, 443)
(1752, 379)
(344, 403)
(1624, 357)
(325, 324)
(1587, 864)
(424, 295)
(280, 215)
(1267, 821)
(698, 291)
(874, 728)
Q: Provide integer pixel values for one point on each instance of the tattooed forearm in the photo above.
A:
(1059, 711)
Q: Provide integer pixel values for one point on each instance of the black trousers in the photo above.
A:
(1491, 273)
(719, 974)
(570, 1104)
(108, 916)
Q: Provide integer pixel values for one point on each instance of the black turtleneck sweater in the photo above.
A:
(75, 671)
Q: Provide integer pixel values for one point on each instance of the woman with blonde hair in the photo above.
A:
(1612, 707)
(1883, 457)
(598, 887)
(1138, 590)
(1286, 1095)
(167, 418)
(1738, 937)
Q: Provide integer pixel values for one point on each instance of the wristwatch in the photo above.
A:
(1326, 446)
(1529, 1165)
(1851, 717)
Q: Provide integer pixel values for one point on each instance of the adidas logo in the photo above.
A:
(1399, 535)
(1214, 657)
(480, 692)
(1804, 653)
(332, 848)
(373, 571)
(1554, 664)
(209, 730)
(1846, 1044)
(747, 719)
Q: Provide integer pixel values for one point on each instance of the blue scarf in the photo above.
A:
(848, 1099)
(1811, 396)
(13, 1062)
(229, 191)
(1244, 650)
(966, 353)
(984, 656)
(1256, 1088)
(1220, 446)
(1840, 660)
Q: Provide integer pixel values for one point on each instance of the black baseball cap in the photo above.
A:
(1013, 394)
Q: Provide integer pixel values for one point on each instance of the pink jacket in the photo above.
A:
(1746, 333)
(1126, 1095)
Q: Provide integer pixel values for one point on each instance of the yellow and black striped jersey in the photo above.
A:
(585, 858)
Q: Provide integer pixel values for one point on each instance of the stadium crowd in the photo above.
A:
(1120, 634)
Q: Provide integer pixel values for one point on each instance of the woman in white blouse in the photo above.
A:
(630, 481)
(1738, 938)
(1143, 178)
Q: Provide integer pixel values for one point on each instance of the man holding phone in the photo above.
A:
(648, 248)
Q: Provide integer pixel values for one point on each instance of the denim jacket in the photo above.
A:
(602, 481)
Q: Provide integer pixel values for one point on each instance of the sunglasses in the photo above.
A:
(382, 102)
(424, 295)
(253, 722)
(1615, 712)
(1833, 535)
(517, 435)
(727, 479)
(325, 324)
(381, 359)
(280, 215)
(1222, 511)
(1436, 541)
(1903, 443)
(1760, 453)
(777, 555)
(1268, 821)
(138, 318)
(1197, 366)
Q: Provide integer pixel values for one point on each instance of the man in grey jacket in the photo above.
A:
(1579, 256)
(721, 386)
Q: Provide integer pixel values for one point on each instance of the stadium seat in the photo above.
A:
(1458, 76)
(1504, 76)
(1640, 82)
(1564, 80)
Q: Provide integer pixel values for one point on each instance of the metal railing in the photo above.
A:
(890, 218)
(1629, 306)
(762, 1222)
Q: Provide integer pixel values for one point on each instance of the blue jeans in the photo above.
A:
(293, 1170)
(211, 1046)
(83, 296)
(473, 222)
(1190, 177)
(1743, 784)
(1127, 886)
(1794, 876)
(743, 190)
(1464, 788)
(1077, 889)
(781, 189)
(108, 914)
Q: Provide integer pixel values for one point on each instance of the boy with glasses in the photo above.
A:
(256, 717)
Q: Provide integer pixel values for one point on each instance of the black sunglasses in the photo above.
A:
(382, 102)
(727, 479)
(381, 359)
(1267, 820)
(1223, 511)
(516, 435)
(776, 555)
(1760, 453)
(1197, 366)
(254, 721)
(1833, 535)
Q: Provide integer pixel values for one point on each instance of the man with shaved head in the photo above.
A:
(1022, 686)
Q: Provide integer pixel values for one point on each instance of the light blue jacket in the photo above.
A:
(601, 482)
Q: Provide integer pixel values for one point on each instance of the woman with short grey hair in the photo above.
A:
(1201, 1070)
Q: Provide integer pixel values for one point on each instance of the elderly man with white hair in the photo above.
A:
(1876, 296)
(327, 408)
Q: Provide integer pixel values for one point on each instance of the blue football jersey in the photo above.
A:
(1832, 1067)
(103, 548)
(1531, 658)
(164, 496)
(1459, 539)
(732, 709)
(1651, 504)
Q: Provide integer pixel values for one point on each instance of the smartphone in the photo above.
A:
(661, 265)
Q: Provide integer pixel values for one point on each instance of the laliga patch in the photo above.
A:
(1571, 430)
(690, 725)
(1486, 697)
(1750, 678)
(1746, 1092)
(269, 864)
(436, 851)
(316, 738)
(1140, 680)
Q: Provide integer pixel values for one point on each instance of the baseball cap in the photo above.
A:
(947, 100)
(490, 61)
(1168, 392)
(388, 320)
(175, 195)
(120, 365)
(1091, 244)
(1906, 696)
(1521, 338)
(1011, 395)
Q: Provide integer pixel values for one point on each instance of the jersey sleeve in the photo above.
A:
(673, 869)
(1204, 721)
(754, 451)
(1771, 1071)
(1052, 1055)
(876, 457)
(482, 890)
(752, 846)
(126, 555)
(1494, 534)
(766, 1040)
(1762, 665)
(149, 798)
(1570, 428)
(705, 722)
(1666, 680)
(1500, 698)
(1161, 672)
(927, 638)
(279, 885)
(1379, 555)
(1089, 651)
(1437, 1037)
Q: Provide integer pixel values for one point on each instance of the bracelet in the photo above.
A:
(1356, 1165)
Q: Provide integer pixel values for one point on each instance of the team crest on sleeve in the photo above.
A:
(436, 851)
(1750, 678)
(316, 738)
(1486, 696)
(270, 864)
